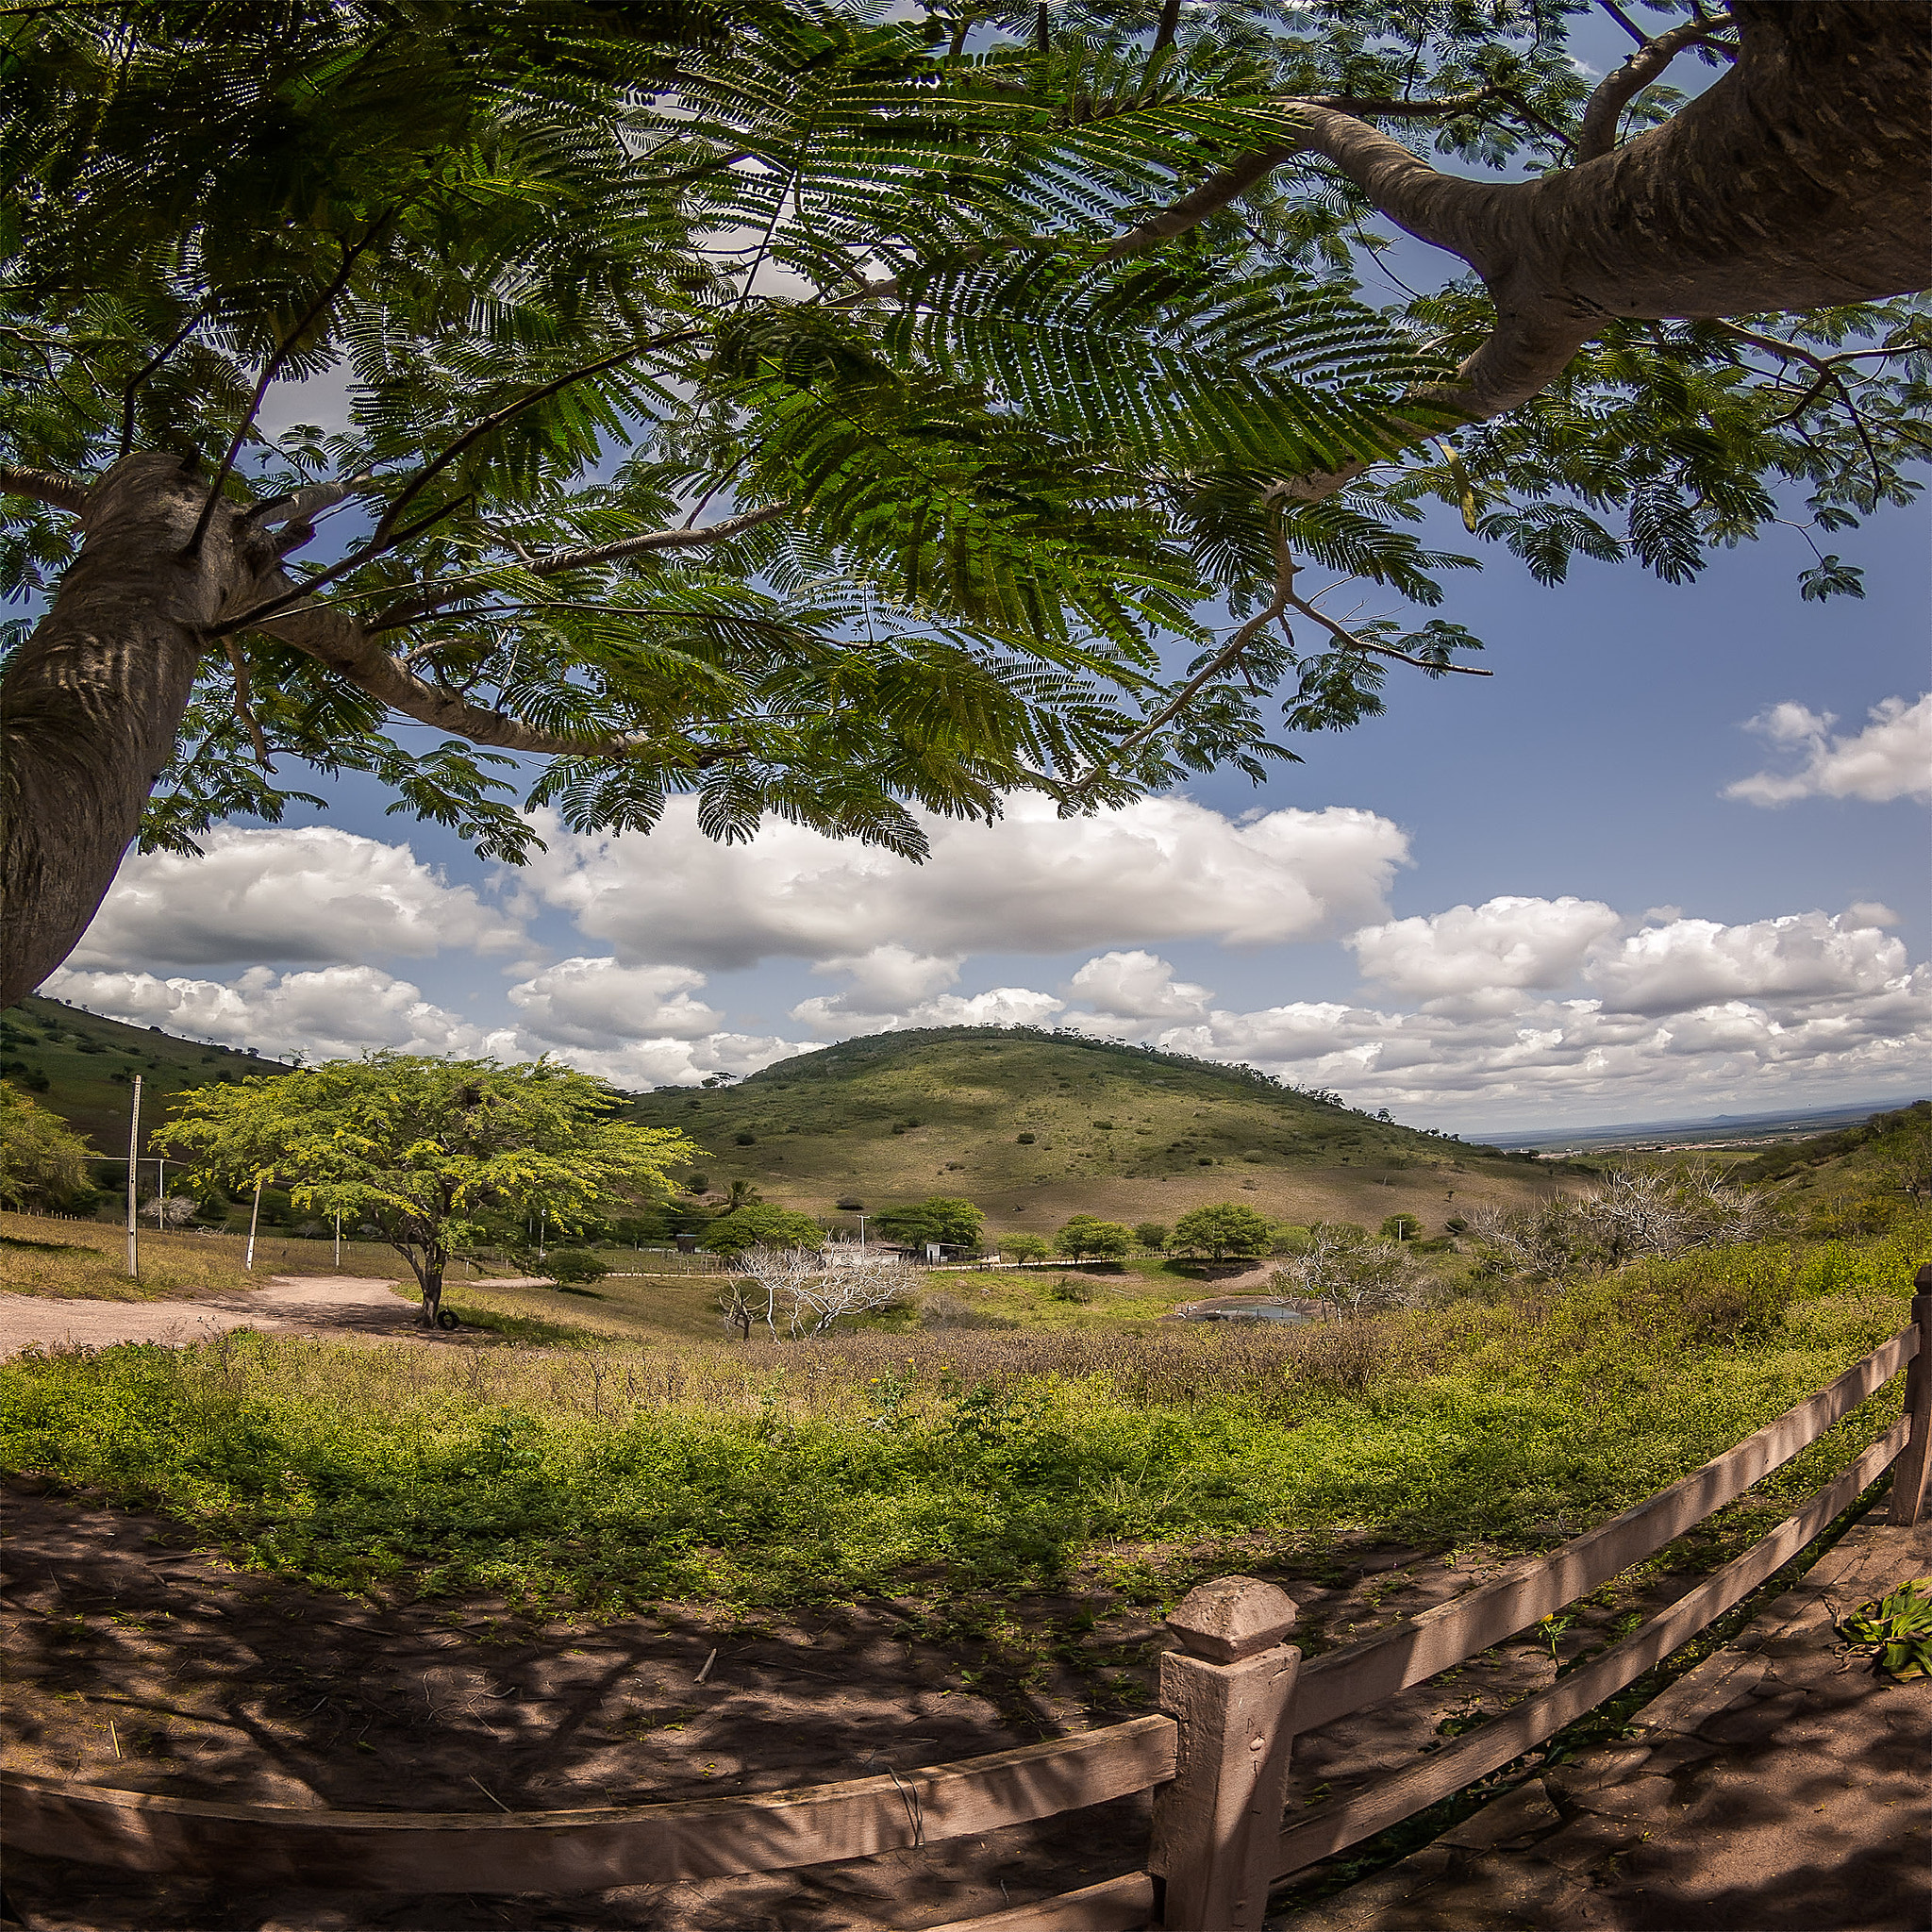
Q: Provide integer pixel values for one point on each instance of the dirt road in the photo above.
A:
(314, 1303)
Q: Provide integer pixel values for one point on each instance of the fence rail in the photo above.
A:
(1234, 1696)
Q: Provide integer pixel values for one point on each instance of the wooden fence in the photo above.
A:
(1234, 1695)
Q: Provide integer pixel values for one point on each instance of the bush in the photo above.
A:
(940, 1311)
(1223, 1229)
(1086, 1237)
(1152, 1234)
(1070, 1288)
(760, 1226)
(1024, 1248)
(745, 1139)
(1024, 1139)
(572, 1267)
(1401, 1227)
(938, 1218)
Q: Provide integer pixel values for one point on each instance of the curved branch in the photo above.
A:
(45, 486)
(1605, 109)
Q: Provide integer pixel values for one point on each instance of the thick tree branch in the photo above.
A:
(45, 486)
(721, 532)
(1603, 110)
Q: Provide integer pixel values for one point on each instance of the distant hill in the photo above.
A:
(82, 1067)
(1035, 1125)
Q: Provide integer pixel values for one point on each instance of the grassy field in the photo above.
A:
(612, 1476)
(1114, 1131)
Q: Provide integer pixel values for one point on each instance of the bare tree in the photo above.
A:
(1350, 1274)
(797, 1287)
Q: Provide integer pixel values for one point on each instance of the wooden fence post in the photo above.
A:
(1218, 1824)
(1908, 1472)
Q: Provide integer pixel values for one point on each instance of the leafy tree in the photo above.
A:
(1152, 1234)
(1223, 1229)
(760, 1226)
(573, 1267)
(1039, 357)
(42, 1162)
(1401, 1227)
(1023, 1247)
(1087, 1238)
(938, 1218)
(437, 1155)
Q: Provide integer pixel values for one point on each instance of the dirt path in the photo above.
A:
(1779, 1787)
(317, 1304)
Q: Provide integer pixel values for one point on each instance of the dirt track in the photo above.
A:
(312, 1303)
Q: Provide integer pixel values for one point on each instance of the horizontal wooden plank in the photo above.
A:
(1439, 1639)
(585, 1850)
(1116, 1904)
(1478, 1752)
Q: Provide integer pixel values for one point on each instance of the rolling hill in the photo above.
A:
(81, 1067)
(1034, 1126)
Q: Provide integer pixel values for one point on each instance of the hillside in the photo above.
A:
(82, 1067)
(1115, 1131)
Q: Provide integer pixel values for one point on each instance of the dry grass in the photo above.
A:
(87, 1260)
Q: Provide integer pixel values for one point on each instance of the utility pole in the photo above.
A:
(133, 1158)
(254, 1215)
(339, 1241)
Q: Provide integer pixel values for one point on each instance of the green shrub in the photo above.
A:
(572, 1267)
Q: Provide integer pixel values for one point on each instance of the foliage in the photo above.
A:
(1224, 1229)
(1401, 1227)
(437, 1154)
(1898, 1629)
(1087, 1238)
(786, 1473)
(939, 1217)
(583, 271)
(42, 1163)
(1024, 1248)
(760, 1225)
(1152, 1234)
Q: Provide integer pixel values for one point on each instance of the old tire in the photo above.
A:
(445, 1320)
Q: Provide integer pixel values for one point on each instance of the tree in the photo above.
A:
(1401, 1227)
(940, 1218)
(573, 1267)
(809, 1290)
(1023, 1247)
(1351, 1271)
(1086, 1238)
(1069, 350)
(760, 1226)
(1152, 1234)
(1224, 1229)
(438, 1155)
(42, 1162)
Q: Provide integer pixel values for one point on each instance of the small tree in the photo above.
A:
(1401, 1227)
(1223, 1229)
(1087, 1238)
(938, 1218)
(436, 1155)
(795, 1285)
(573, 1267)
(1152, 1234)
(1352, 1272)
(42, 1162)
(1023, 1247)
(760, 1226)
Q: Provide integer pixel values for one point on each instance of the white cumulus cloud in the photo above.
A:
(1160, 867)
(1136, 986)
(598, 1004)
(1696, 963)
(299, 893)
(1891, 758)
(1505, 942)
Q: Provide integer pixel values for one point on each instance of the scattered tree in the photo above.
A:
(1024, 1248)
(42, 1162)
(435, 1157)
(573, 1267)
(940, 1218)
(760, 1226)
(1069, 346)
(1086, 1238)
(1152, 1234)
(1224, 1229)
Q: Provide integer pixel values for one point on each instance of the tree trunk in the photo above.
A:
(91, 702)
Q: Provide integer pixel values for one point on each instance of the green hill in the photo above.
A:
(82, 1067)
(1034, 1126)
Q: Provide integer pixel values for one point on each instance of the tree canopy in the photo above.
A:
(1086, 1237)
(1224, 1229)
(42, 1162)
(439, 1154)
(940, 1218)
(845, 418)
(758, 1224)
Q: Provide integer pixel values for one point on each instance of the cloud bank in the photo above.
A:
(1891, 758)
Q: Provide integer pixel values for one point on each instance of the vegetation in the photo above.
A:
(1152, 1234)
(758, 1224)
(1067, 349)
(437, 1154)
(612, 1477)
(939, 1217)
(1086, 1239)
(1222, 1229)
(42, 1163)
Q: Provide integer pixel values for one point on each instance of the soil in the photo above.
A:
(138, 1659)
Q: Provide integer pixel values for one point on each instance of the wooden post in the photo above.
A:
(133, 1164)
(1217, 1825)
(254, 1215)
(1908, 1472)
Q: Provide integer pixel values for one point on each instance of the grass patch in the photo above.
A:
(83, 1260)
(606, 1477)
